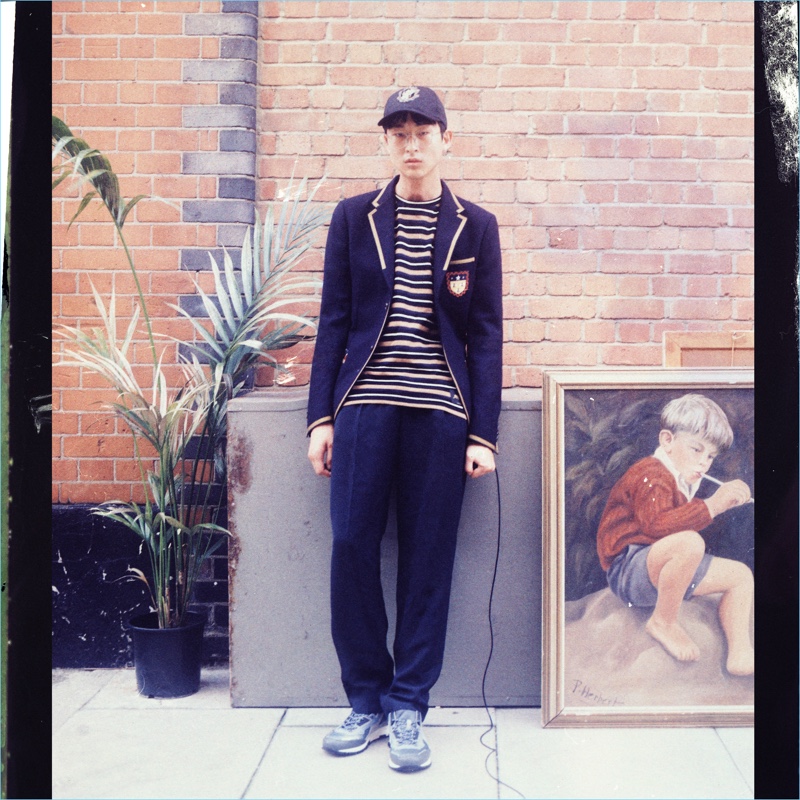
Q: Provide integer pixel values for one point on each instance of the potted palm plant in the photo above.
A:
(178, 431)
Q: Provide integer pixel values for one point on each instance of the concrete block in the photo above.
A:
(224, 116)
(240, 7)
(229, 236)
(219, 70)
(239, 47)
(238, 188)
(197, 260)
(193, 305)
(219, 211)
(237, 141)
(218, 164)
(281, 650)
(218, 25)
(237, 94)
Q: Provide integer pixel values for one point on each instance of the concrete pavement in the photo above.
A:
(109, 742)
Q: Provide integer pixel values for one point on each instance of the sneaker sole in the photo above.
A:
(409, 767)
(378, 733)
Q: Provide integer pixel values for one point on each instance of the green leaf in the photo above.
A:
(216, 320)
(211, 527)
(247, 263)
(87, 198)
(214, 546)
(199, 328)
(233, 287)
(175, 523)
(128, 206)
(222, 292)
(60, 179)
(266, 253)
(60, 129)
(139, 575)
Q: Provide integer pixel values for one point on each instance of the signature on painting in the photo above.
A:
(584, 692)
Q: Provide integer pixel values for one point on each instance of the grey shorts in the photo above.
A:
(629, 580)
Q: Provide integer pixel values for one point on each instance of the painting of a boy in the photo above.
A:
(649, 540)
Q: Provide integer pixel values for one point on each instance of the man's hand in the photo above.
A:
(729, 495)
(320, 449)
(480, 461)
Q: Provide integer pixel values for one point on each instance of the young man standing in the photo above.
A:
(406, 378)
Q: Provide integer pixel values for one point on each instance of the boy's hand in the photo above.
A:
(480, 461)
(729, 495)
(320, 449)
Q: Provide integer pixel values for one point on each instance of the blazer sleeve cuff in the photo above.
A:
(477, 440)
(317, 423)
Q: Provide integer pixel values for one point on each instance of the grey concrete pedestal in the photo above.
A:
(281, 652)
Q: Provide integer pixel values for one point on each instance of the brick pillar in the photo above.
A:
(233, 122)
(232, 128)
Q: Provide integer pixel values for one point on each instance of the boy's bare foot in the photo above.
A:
(741, 662)
(674, 639)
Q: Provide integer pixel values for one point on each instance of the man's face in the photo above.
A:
(416, 150)
(692, 455)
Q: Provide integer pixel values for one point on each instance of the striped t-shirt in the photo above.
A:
(408, 367)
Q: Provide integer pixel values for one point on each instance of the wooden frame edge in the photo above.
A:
(554, 383)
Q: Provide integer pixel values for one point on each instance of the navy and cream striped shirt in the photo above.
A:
(408, 367)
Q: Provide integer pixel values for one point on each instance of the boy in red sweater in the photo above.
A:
(648, 539)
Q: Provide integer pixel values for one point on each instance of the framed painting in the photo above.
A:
(709, 349)
(606, 658)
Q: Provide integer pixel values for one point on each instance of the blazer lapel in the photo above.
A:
(452, 219)
(381, 223)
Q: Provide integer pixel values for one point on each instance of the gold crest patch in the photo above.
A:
(457, 283)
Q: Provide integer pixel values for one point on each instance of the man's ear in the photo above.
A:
(447, 138)
(385, 141)
(665, 438)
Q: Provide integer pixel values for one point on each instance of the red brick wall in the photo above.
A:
(118, 83)
(613, 140)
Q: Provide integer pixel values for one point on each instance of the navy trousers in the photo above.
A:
(419, 453)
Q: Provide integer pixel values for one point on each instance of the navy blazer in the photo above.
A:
(357, 291)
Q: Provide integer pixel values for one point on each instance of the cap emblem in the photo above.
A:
(407, 95)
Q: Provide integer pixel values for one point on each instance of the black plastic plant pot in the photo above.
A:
(167, 660)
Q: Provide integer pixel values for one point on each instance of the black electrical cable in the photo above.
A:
(493, 750)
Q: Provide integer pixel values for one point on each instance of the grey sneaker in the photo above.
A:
(408, 750)
(355, 734)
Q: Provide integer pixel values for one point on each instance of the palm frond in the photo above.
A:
(223, 292)
(250, 315)
(89, 165)
(248, 301)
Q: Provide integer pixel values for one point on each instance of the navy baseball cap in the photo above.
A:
(416, 100)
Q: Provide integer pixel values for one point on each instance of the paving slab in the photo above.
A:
(296, 766)
(160, 753)
(613, 762)
(73, 689)
(120, 692)
(331, 717)
(108, 742)
(740, 743)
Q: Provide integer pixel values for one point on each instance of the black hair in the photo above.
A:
(398, 119)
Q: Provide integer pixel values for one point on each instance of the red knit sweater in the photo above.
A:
(644, 506)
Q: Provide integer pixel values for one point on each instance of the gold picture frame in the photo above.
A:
(600, 667)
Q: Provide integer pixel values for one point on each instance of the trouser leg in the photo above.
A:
(430, 487)
(361, 481)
